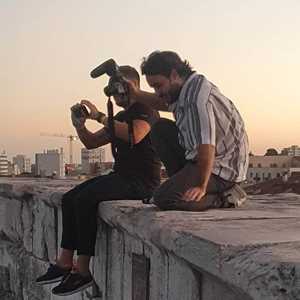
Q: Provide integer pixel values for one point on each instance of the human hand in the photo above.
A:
(93, 109)
(78, 122)
(94, 114)
(194, 194)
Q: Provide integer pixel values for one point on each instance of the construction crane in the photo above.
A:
(71, 139)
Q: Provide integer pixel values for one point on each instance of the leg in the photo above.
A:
(65, 259)
(108, 187)
(69, 238)
(164, 136)
(169, 195)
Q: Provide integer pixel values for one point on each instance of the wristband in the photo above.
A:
(101, 117)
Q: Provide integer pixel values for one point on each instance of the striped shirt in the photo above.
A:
(204, 116)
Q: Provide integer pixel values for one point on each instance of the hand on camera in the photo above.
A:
(77, 121)
(94, 114)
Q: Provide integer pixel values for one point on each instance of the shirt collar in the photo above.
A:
(180, 98)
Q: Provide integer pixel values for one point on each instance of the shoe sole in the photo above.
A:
(236, 196)
(75, 291)
(57, 279)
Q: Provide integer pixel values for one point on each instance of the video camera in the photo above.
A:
(117, 84)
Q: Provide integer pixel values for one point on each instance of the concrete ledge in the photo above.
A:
(146, 254)
(254, 249)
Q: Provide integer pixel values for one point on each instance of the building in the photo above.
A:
(13, 169)
(73, 169)
(294, 150)
(3, 164)
(23, 163)
(50, 163)
(262, 168)
(92, 160)
(33, 169)
(27, 168)
(107, 167)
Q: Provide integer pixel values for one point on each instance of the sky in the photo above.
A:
(248, 48)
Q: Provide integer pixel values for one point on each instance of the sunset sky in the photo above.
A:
(249, 49)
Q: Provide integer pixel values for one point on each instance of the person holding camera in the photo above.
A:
(135, 175)
(205, 151)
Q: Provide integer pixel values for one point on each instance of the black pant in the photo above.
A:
(79, 208)
(183, 174)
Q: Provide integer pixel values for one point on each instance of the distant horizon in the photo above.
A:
(249, 49)
(108, 155)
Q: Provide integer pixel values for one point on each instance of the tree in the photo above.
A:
(271, 152)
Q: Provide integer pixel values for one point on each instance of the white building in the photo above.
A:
(27, 168)
(91, 160)
(294, 150)
(50, 163)
(262, 168)
(23, 163)
(3, 164)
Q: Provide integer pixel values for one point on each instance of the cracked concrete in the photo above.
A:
(246, 253)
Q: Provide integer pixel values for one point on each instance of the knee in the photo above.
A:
(66, 200)
(79, 204)
(164, 200)
(165, 204)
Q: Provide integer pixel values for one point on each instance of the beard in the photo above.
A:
(174, 93)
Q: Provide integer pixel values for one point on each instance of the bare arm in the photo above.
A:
(140, 129)
(93, 140)
(205, 161)
(151, 100)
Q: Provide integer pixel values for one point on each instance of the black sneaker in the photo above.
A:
(53, 274)
(73, 283)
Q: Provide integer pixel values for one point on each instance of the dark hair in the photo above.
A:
(163, 62)
(130, 73)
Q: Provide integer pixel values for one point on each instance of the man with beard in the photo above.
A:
(205, 151)
(135, 175)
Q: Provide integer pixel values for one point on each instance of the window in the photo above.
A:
(259, 165)
(256, 178)
(250, 165)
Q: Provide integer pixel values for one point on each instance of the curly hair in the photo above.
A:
(163, 62)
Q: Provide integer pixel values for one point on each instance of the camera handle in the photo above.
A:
(111, 127)
(130, 123)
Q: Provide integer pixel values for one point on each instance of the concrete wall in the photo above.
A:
(143, 253)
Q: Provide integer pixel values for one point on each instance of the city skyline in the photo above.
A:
(292, 150)
(248, 49)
